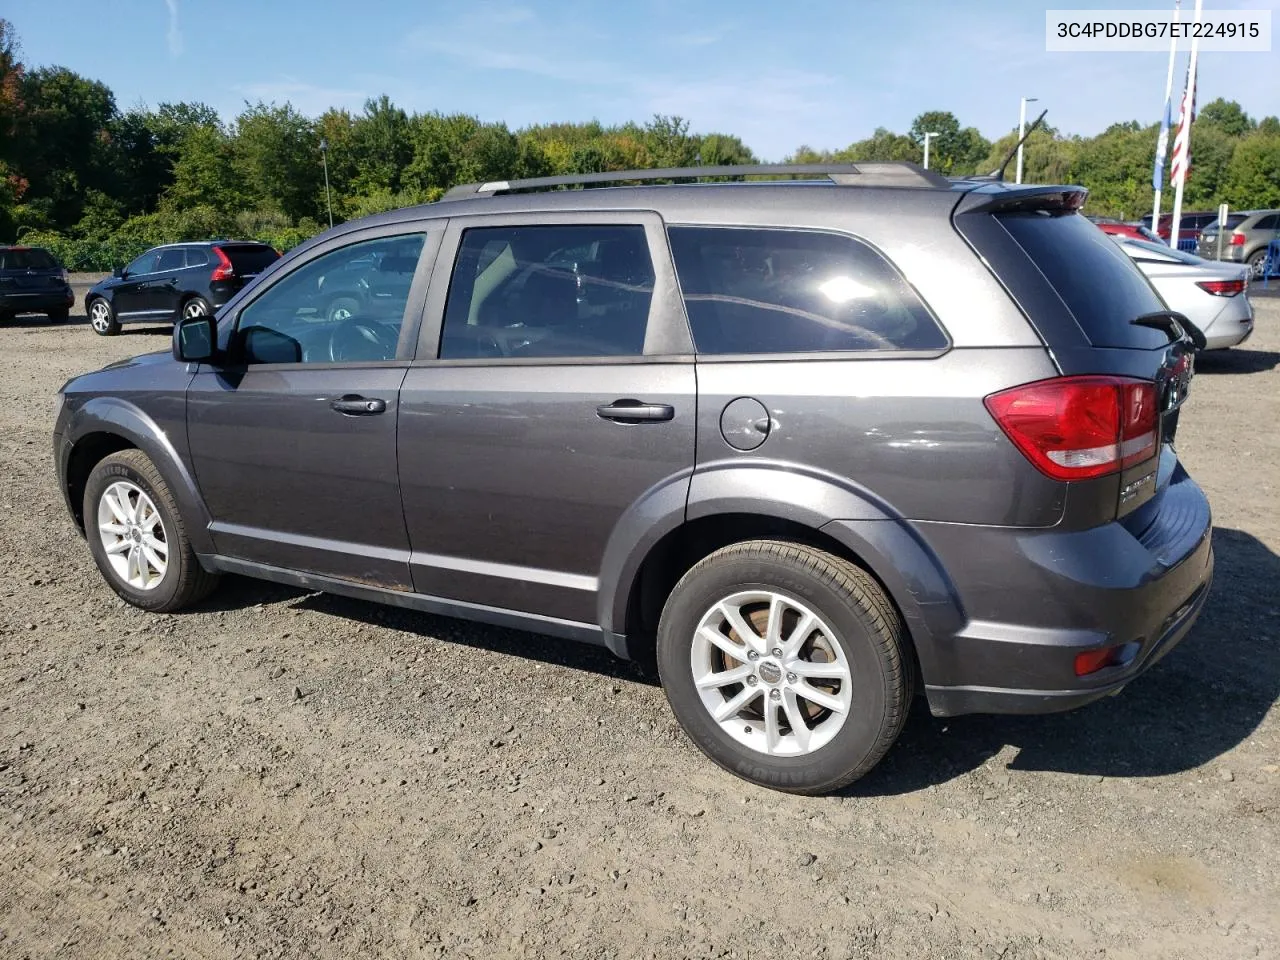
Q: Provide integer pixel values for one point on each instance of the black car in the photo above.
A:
(178, 279)
(33, 281)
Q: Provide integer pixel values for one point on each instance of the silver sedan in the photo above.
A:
(1211, 294)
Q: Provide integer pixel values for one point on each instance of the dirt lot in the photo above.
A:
(294, 775)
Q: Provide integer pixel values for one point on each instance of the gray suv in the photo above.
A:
(1248, 237)
(813, 445)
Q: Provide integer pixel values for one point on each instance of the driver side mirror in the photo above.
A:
(195, 339)
(119, 273)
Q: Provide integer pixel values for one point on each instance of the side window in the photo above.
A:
(549, 291)
(144, 264)
(750, 290)
(171, 259)
(1270, 223)
(197, 257)
(344, 306)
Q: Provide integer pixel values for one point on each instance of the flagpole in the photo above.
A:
(1162, 141)
(1190, 99)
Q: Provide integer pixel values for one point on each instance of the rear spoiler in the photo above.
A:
(987, 197)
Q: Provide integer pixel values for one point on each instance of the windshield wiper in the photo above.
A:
(1175, 324)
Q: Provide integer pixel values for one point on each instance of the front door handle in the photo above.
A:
(352, 405)
(635, 411)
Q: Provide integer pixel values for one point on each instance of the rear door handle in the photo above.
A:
(352, 405)
(635, 411)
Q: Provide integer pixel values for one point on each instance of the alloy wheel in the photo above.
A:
(133, 535)
(771, 673)
(100, 316)
(195, 308)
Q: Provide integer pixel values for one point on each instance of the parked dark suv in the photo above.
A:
(808, 443)
(176, 280)
(33, 281)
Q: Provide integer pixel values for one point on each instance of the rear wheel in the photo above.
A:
(102, 318)
(1256, 264)
(137, 536)
(785, 665)
(196, 307)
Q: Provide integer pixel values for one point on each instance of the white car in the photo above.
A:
(1211, 294)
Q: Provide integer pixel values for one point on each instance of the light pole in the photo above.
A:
(1022, 125)
(927, 138)
(324, 159)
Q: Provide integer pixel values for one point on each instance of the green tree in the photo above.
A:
(955, 150)
(1226, 115)
(381, 147)
(205, 173)
(64, 131)
(1253, 177)
(277, 153)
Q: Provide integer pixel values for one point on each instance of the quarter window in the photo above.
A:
(345, 306)
(758, 291)
(549, 291)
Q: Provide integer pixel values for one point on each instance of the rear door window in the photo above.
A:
(758, 291)
(172, 259)
(1269, 223)
(549, 291)
(1098, 282)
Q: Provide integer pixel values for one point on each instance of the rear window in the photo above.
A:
(1233, 220)
(33, 258)
(1101, 286)
(754, 291)
(249, 258)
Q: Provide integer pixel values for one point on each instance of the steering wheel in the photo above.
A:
(355, 339)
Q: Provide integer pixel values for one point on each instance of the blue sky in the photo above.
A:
(777, 74)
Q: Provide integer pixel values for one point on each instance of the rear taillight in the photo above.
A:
(224, 270)
(1074, 428)
(1237, 240)
(1221, 288)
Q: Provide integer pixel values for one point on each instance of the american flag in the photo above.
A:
(1180, 165)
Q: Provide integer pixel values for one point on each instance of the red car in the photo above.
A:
(1135, 230)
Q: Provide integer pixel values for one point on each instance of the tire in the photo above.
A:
(858, 642)
(342, 309)
(102, 318)
(1256, 263)
(59, 316)
(196, 307)
(182, 581)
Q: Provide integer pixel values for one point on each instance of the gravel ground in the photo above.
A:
(284, 774)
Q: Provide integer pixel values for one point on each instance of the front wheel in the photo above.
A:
(137, 536)
(786, 665)
(103, 319)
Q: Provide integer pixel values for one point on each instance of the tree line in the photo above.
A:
(99, 184)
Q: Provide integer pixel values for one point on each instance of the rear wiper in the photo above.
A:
(1175, 324)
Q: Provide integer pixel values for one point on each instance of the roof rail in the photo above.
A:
(877, 174)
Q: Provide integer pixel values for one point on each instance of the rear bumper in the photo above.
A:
(1232, 325)
(37, 301)
(1035, 599)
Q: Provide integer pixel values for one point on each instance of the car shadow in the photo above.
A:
(129, 331)
(241, 593)
(29, 320)
(1236, 360)
(1203, 699)
(1206, 697)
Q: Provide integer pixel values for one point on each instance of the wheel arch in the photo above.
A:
(767, 503)
(105, 425)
